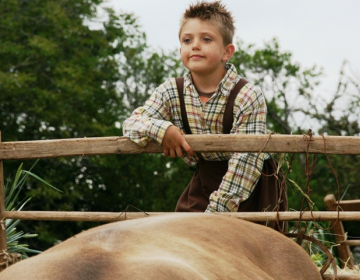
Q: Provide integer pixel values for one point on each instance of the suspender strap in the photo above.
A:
(180, 88)
(228, 114)
(229, 109)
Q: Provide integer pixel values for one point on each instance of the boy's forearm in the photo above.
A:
(150, 121)
(142, 130)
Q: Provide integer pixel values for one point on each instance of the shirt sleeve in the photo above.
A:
(244, 168)
(149, 121)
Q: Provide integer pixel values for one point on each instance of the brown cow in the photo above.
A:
(180, 246)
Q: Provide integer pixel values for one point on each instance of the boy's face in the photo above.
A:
(202, 49)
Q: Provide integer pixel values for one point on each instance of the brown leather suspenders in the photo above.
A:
(180, 89)
(228, 114)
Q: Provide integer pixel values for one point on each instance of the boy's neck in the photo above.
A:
(208, 82)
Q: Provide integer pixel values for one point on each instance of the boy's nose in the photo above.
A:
(196, 44)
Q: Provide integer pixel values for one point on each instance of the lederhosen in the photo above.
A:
(209, 174)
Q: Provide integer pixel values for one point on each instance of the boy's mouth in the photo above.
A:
(196, 56)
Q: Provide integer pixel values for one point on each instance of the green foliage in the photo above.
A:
(283, 82)
(321, 232)
(12, 203)
(59, 78)
(338, 117)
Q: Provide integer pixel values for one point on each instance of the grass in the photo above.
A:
(13, 187)
(326, 237)
(345, 271)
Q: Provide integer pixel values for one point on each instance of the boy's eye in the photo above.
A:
(187, 40)
(207, 40)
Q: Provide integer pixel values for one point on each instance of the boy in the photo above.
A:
(197, 104)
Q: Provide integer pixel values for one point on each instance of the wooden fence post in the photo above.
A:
(345, 254)
(3, 241)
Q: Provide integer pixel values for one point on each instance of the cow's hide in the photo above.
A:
(179, 246)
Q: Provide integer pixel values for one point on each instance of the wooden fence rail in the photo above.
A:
(200, 143)
(22, 150)
(120, 216)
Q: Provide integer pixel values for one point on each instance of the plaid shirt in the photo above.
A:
(162, 109)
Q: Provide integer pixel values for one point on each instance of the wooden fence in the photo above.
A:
(23, 150)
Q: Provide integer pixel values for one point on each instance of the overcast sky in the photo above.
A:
(321, 32)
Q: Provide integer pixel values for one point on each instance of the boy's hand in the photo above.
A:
(174, 143)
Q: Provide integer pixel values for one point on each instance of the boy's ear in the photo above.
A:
(229, 51)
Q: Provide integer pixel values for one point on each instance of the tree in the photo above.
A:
(339, 116)
(59, 78)
(53, 71)
(283, 82)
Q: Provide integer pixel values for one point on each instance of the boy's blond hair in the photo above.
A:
(214, 12)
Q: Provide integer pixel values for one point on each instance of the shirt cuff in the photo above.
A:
(221, 204)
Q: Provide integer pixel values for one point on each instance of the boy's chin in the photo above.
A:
(198, 69)
(202, 71)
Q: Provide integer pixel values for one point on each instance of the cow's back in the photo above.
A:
(179, 246)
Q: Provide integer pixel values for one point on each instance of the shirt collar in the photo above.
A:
(225, 85)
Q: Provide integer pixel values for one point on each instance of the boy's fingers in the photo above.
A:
(166, 152)
(172, 153)
(179, 152)
(188, 149)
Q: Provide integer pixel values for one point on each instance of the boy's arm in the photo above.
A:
(153, 121)
(244, 168)
(147, 122)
